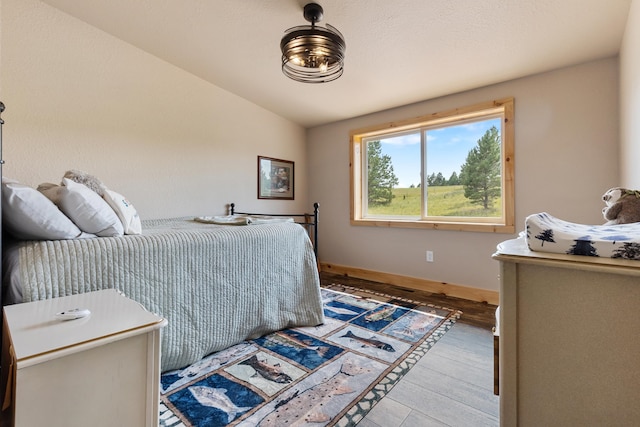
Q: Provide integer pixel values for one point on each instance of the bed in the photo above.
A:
(217, 280)
(216, 284)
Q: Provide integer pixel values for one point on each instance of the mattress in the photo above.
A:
(546, 233)
(217, 285)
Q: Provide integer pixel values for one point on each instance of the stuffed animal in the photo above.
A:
(623, 206)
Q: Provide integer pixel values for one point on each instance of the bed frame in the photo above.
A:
(1, 235)
(307, 220)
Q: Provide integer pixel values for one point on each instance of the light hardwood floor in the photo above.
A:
(452, 385)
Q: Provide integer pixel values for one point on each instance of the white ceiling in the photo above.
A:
(398, 51)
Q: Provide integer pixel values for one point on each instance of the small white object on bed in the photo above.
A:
(546, 233)
(241, 219)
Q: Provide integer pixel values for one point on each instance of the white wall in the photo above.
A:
(566, 157)
(630, 100)
(175, 145)
(78, 98)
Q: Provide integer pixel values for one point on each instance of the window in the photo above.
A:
(451, 170)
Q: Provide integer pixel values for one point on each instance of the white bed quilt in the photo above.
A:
(216, 285)
(546, 233)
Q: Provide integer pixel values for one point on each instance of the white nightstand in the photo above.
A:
(101, 370)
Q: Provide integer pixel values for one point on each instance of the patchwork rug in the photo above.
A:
(329, 375)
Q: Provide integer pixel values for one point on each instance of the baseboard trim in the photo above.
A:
(458, 291)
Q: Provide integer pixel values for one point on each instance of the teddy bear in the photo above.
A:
(623, 206)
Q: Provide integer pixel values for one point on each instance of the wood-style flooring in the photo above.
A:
(452, 385)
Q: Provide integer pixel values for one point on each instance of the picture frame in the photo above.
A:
(276, 178)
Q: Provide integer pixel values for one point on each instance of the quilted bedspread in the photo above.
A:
(546, 233)
(216, 285)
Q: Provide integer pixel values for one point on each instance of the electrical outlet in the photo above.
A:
(429, 256)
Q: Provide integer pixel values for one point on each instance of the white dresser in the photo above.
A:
(101, 370)
(569, 339)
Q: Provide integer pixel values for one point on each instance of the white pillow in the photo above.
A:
(28, 215)
(125, 211)
(85, 208)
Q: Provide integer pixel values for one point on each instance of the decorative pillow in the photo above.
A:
(90, 181)
(51, 192)
(28, 215)
(126, 212)
(85, 208)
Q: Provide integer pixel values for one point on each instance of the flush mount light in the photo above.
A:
(310, 53)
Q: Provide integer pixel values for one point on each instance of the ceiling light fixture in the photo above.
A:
(310, 53)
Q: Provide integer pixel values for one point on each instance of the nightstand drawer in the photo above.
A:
(103, 369)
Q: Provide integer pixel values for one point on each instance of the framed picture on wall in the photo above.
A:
(275, 178)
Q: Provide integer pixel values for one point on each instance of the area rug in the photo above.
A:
(329, 375)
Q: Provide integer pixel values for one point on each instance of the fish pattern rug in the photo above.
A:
(329, 375)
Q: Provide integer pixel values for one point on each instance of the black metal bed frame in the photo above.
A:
(310, 221)
(1, 235)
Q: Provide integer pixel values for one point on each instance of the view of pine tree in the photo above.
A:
(438, 180)
(480, 174)
(453, 179)
(380, 176)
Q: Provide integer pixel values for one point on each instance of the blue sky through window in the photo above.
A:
(447, 150)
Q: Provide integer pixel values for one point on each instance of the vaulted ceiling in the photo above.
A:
(398, 51)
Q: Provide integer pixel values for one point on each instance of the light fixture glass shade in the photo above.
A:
(312, 54)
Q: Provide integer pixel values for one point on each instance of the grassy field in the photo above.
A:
(442, 201)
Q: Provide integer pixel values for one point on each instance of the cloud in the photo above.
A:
(409, 139)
